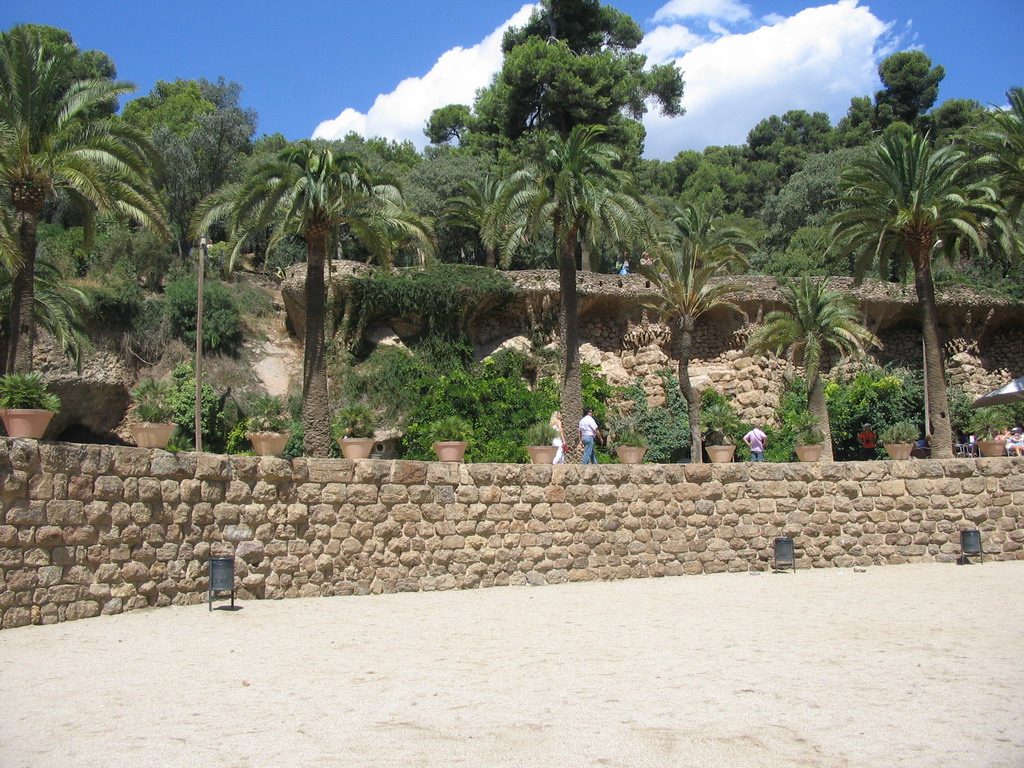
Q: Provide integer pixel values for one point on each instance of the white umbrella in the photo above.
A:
(1009, 393)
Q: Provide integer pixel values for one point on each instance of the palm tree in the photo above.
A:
(904, 204)
(52, 143)
(688, 278)
(816, 321)
(574, 182)
(315, 192)
(480, 208)
(1004, 144)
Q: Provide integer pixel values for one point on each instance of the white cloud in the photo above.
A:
(816, 60)
(454, 79)
(726, 10)
(664, 43)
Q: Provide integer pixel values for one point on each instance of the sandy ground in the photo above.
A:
(913, 665)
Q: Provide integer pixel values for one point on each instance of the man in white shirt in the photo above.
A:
(755, 440)
(588, 432)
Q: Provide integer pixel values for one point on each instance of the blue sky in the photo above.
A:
(379, 66)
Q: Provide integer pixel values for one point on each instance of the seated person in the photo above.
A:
(922, 449)
(1015, 442)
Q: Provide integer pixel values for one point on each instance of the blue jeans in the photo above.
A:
(588, 450)
(757, 455)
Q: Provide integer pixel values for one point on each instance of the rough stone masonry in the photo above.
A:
(87, 530)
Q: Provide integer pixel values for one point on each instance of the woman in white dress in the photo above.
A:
(559, 439)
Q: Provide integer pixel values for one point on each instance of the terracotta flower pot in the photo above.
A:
(630, 454)
(720, 454)
(450, 450)
(357, 447)
(809, 452)
(149, 434)
(25, 422)
(542, 454)
(268, 443)
(899, 451)
(992, 448)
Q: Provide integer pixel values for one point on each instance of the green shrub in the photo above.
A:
(222, 329)
(28, 391)
(153, 401)
(354, 420)
(900, 432)
(874, 395)
(113, 303)
(213, 421)
(541, 433)
(666, 428)
(450, 429)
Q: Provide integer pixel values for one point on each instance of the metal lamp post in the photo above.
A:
(199, 347)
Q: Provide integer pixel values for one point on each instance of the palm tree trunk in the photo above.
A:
(490, 257)
(571, 400)
(689, 394)
(20, 319)
(941, 438)
(316, 419)
(819, 410)
(585, 260)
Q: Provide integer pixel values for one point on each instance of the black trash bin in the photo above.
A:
(970, 544)
(222, 578)
(785, 557)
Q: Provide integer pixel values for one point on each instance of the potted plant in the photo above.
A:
(718, 424)
(809, 441)
(898, 439)
(630, 446)
(268, 423)
(986, 423)
(26, 406)
(153, 412)
(450, 436)
(539, 438)
(353, 429)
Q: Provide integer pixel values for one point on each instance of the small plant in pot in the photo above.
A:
(718, 423)
(450, 436)
(353, 428)
(539, 438)
(808, 440)
(630, 446)
(898, 439)
(988, 422)
(26, 405)
(268, 425)
(153, 413)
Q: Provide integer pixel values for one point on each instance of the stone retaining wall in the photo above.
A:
(88, 530)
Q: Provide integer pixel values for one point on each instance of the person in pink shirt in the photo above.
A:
(756, 440)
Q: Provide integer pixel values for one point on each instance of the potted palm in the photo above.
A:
(268, 423)
(153, 412)
(539, 440)
(450, 436)
(988, 422)
(808, 440)
(898, 439)
(719, 423)
(630, 446)
(26, 406)
(353, 429)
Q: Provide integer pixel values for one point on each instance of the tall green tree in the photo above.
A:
(317, 193)
(52, 144)
(573, 63)
(815, 322)
(911, 84)
(574, 181)
(905, 204)
(689, 278)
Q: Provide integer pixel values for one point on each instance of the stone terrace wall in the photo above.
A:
(88, 529)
